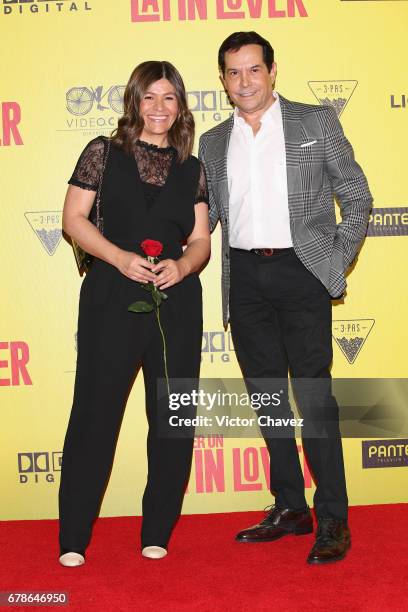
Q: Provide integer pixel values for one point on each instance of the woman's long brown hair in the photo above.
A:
(130, 125)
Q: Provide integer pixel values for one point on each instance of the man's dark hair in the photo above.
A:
(235, 41)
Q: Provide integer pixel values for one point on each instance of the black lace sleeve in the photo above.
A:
(89, 167)
(202, 189)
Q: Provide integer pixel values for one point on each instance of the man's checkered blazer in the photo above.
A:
(320, 165)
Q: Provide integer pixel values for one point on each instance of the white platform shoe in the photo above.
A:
(154, 552)
(71, 559)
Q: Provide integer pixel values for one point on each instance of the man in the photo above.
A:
(273, 169)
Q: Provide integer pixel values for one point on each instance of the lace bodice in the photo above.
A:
(153, 164)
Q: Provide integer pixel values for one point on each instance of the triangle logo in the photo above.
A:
(350, 336)
(47, 227)
(333, 93)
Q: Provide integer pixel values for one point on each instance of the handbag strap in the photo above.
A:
(99, 216)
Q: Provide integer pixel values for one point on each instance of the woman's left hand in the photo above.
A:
(169, 272)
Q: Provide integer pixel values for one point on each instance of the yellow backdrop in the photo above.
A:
(64, 67)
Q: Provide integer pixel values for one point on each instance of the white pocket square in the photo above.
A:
(308, 144)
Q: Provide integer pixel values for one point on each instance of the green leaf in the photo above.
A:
(156, 297)
(141, 307)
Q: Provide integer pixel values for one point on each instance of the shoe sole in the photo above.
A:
(281, 535)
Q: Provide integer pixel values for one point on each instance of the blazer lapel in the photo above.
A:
(292, 129)
(219, 159)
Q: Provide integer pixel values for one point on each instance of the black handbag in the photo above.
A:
(82, 258)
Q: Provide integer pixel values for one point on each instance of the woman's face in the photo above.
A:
(159, 109)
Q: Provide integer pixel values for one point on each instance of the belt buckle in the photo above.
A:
(266, 252)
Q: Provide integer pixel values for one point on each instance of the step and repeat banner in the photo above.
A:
(65, 65)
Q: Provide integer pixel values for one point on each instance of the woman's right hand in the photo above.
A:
(135, 267)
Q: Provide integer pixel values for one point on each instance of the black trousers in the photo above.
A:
(112, 345)
(280, 317)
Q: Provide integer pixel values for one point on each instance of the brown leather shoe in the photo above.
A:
(332, 541)
(278, 523)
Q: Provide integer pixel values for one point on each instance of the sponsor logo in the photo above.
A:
(47, 227)
(391, 221)
(209, 105)
(333, 93)
(93, 109)
(81, 100)
(216, 346)
(191, 10)
(399, 101)
(38, 466)
(24, 7)
(385, 453)
(14, 357)
(351, 335)
(10, 118)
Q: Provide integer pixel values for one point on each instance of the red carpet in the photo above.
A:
(206, 570)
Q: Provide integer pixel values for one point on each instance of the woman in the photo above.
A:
(152, 188)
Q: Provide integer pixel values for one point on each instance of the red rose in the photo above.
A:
(152, 248)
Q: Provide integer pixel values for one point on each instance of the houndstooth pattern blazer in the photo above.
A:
(320, 166)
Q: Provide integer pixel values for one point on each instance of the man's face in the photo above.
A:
(247, 80)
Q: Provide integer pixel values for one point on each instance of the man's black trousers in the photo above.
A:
(280, 317)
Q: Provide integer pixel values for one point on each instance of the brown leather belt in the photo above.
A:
(264, 252)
